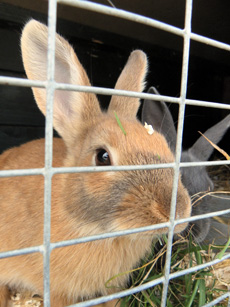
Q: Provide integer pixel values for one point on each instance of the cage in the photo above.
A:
(188, 48)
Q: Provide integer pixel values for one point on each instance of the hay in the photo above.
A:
(220, 176)
(25, 299)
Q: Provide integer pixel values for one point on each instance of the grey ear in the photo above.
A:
(202, 149)
(157, 114)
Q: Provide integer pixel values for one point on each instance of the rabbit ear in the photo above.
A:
(157, 114)
(131, 79)
(202, 149)
(70, 108)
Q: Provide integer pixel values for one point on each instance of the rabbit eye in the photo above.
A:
(102, 158)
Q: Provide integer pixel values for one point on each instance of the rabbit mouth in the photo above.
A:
(129, 217)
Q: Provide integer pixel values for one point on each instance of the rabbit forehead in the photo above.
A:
(129, 140)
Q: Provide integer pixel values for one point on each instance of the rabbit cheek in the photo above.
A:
(97, 201)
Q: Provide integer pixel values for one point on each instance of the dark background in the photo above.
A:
(103, 44)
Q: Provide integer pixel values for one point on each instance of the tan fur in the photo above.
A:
(131, 79)
(4, 296)
(83, 203)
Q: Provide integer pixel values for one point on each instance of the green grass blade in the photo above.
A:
(202, 291)
(221, 253)
(119, 123)
(194, 292)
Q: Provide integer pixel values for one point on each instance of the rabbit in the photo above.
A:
(195, 179)
(84, 204)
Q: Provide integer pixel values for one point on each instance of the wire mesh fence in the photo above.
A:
(49, 171)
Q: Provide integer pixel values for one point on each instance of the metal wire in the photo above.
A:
(95, 7)
(50, 89)
(184, 78)
(111, 234)
(89, 169)
(105, 91)
(48, 171)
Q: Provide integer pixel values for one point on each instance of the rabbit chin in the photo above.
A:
(154, 234)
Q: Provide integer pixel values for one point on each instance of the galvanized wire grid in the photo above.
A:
(48, 171)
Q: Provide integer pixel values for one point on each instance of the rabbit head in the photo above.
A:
(85, 203)
(95, 138)
(195, 179)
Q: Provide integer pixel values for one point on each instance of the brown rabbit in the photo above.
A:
(84, 204)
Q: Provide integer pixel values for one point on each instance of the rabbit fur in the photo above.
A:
(195, 179)
(84, 204)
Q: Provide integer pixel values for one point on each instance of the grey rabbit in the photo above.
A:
(195, 179)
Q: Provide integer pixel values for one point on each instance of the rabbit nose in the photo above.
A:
(160, 212)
